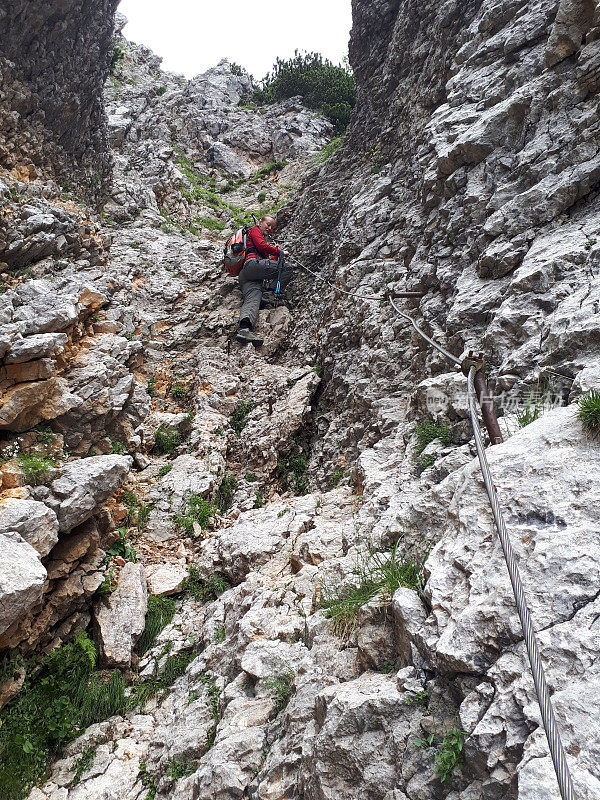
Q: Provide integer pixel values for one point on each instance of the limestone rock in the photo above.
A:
(22, 578)
(165, 578)
(34, 521)
(84, 485)
(120, 619)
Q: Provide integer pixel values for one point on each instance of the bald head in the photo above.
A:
(267, 223)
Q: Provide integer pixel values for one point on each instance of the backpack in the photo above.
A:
(234, 252)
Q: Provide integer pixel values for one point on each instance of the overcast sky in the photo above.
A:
(193, 35)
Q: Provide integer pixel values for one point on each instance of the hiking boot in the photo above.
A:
(246, 336)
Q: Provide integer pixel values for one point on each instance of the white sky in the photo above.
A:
(193, 35)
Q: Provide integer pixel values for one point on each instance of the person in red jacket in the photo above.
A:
(261, 264)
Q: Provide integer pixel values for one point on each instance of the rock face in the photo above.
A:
(120, 621)
(54, 60)
(349, 612)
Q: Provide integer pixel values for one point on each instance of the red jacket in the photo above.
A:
(257, 247)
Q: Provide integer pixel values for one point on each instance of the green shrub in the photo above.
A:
(117, 448)
(262, 196)
(198, 224)
(281, 685)
(263, 172)
(202, 590)
(164, 470)
(196, 509)
(37, 469)
(61, 696)
(291, 468)
(378, 576)
(219, 635)
(329, 149)
(180, 389)
(122, 547)
(323, 86)
(450, 754)
(589, 411)
(165, 440)
(240, 412)
(259, 500)
(225, 493)
(161, 90)
(427, 431)
(83, 763)
(336, 478)
(161, 611)
(44, 434)
(180, 768)
(530, 413)
(236, 69)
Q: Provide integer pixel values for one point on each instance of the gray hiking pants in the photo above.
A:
(255, 271)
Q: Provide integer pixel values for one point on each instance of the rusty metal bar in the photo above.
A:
(483, 396)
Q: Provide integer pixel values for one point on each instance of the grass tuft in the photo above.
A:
(161, 611)
(196, 509)
(240, 412)
(589, 412)
(165, 440)
(282, 686)
(379, 575)
(203, 590)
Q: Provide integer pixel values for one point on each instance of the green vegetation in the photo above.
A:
(450, 754)
(418, 698)
(225, 492)
(161, 611)
(336, 478)
(151, 387)
(427, 431)
(180, 389)
(122, 547)
(180, 768)
(379, 575)
(166, 440)
(205, 223)
(83, 763)
(281, 685)
(196, 509)
(118, 55)
(164, 470)
(62, 695)
(137, 512)
(589, 412)
(148, 781)
(214, 693)
(590, 243)
(264, 172)
(44, 434)
(161, 90)
(205, 591)
(291, 468)
(259, 500)
(219, 634)
(250, 477)
(329, 149)
(530, 413)
(240, 412)
(236, 69)
(323, 86)
(36, 468)
(117, 448)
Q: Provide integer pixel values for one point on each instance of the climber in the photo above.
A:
(261, 264)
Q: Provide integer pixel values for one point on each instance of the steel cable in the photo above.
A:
(557, 752)
(552, 734)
